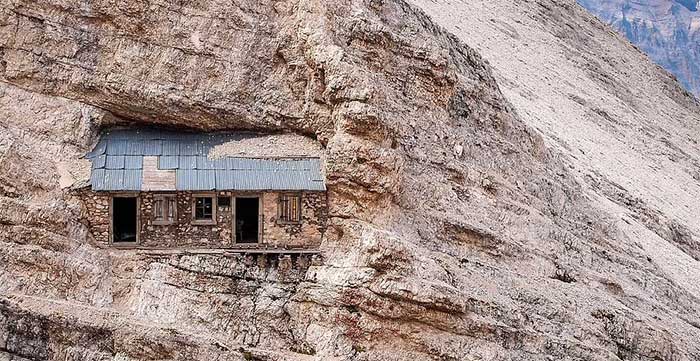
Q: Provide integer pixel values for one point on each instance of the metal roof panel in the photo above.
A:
(243, 180)
(116, 147)
(316, 185)
(153, 147)
(225, 179)
(232, 163)
(117, 160)
(114, 162)
(132, 180)
(168, 162)
(134, 147)
(315, 169)
(188, 162)
(170, 147)
(114, 180)
(133, 162)
(99, 161)
(97, 179)
(185, 180)
(206, 179)
(188, 147)
(205, 163)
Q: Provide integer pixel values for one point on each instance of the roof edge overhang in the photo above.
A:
(198, 190)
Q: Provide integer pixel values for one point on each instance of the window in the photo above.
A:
(164, 209)
(224, 201)
(204, 210)
(289, 208)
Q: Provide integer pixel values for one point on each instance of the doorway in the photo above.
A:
(247, 219)
(124, 219)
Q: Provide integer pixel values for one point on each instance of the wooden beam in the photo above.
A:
(222, 251)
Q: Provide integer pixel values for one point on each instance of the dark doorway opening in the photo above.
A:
(247, 219)
(124, 213)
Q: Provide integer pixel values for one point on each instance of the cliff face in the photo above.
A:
(667, 30)
(536, 206)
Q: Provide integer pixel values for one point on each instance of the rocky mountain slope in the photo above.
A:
(667, 30)
(507, 180)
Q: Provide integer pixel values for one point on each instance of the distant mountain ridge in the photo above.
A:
(667, 30)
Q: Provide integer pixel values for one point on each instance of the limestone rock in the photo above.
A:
(581, 246)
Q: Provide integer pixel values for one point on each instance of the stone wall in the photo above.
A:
(96, 214)
(314, 216)
(183, 233)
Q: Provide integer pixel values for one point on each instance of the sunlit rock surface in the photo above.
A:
(507, 180)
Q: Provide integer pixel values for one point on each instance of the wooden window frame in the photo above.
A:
(213, 220)
(280, 219)
(164, 197)
(111, 219)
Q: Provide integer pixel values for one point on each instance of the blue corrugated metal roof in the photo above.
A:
(132, 179)
(188, 162)
(153, 147)
(133, 162)
(116, 147)
(117, 180)
(185, 179)
(168, 162)
(206, 179)
(97, 179)
(114, 162)
(189, 148)
(135, 147)
(267, 180)
(224, 180)
(99, 161)
(204, 162)
(117, 162)
(315, 169)
(171, 147)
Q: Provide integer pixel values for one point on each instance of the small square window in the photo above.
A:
(204, 210)
(289, 208)
(224, 201)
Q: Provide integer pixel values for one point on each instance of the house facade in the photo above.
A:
(162, 189)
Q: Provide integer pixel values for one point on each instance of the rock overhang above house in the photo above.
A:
(159, 160)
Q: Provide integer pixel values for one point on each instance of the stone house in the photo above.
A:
(165, 189)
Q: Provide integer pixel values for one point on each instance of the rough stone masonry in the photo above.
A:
(549, 235)
(183, 234)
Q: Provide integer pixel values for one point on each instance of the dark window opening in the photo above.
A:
(247, 220)
(224, 201)
(289, 208)
(203, 208)
(124, 213)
